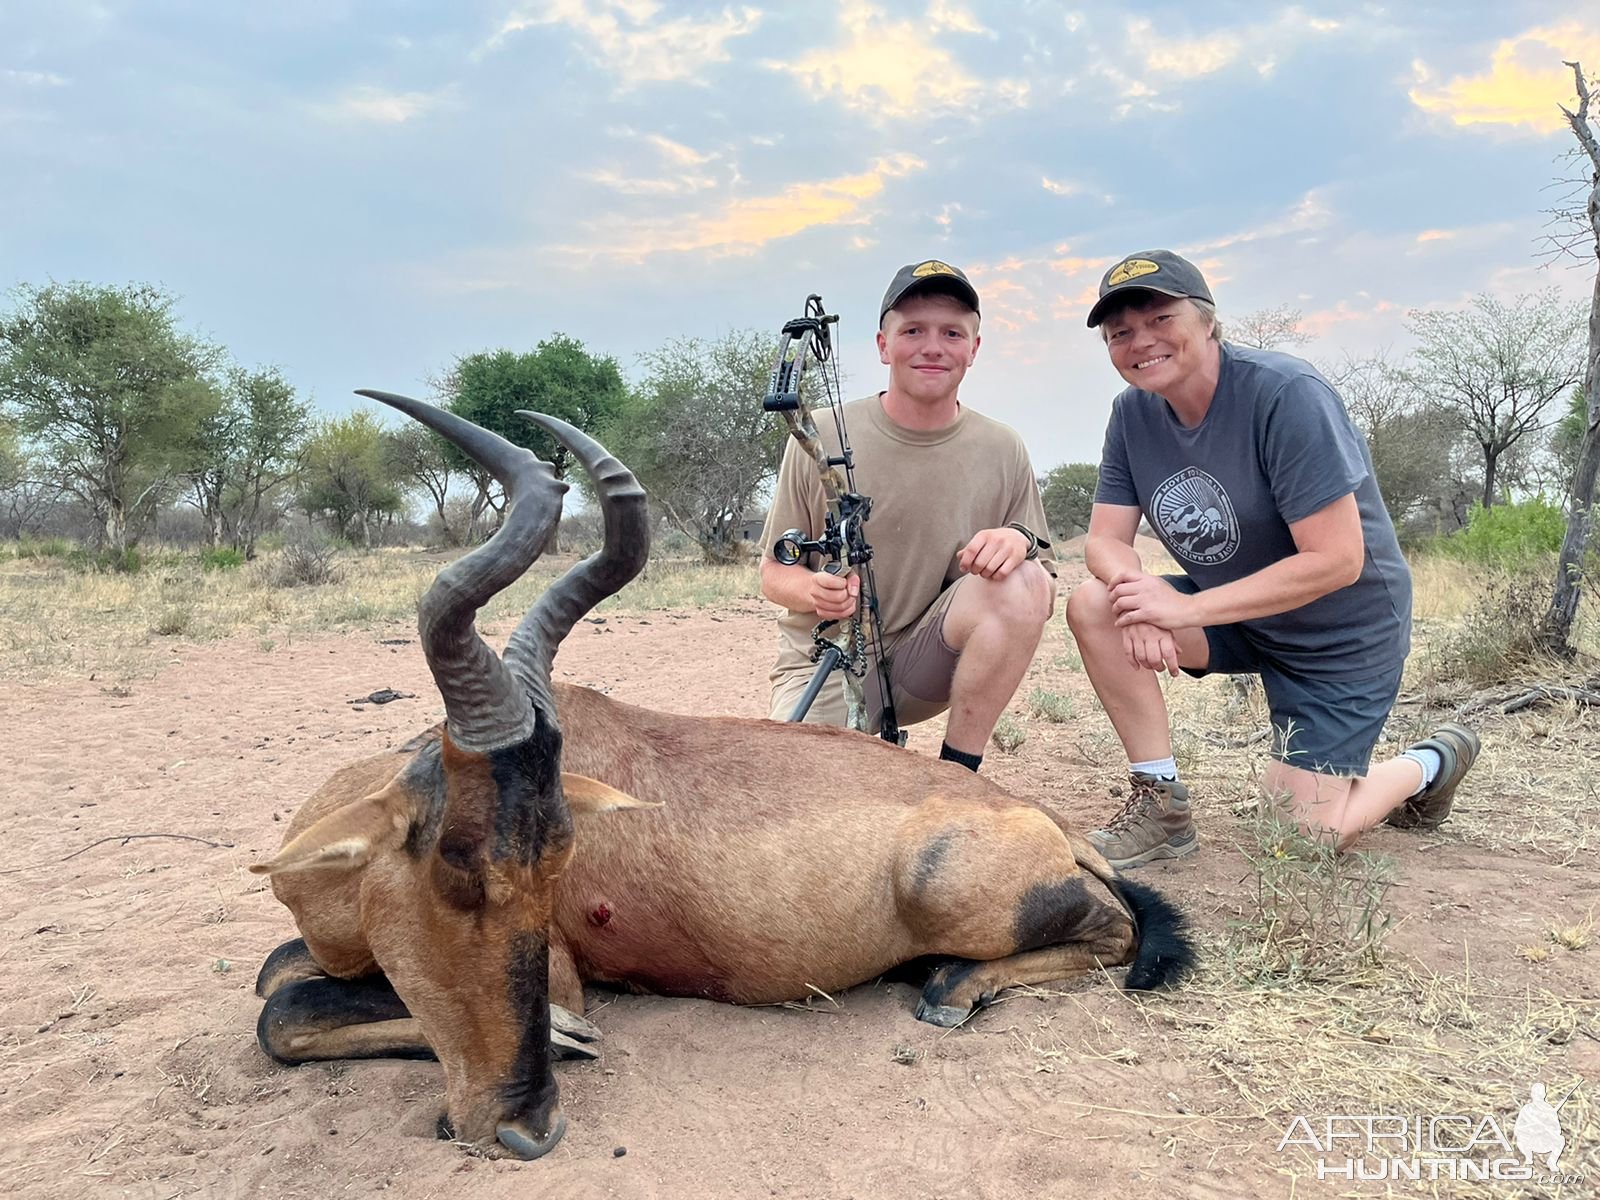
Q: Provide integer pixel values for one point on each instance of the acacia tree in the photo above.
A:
(25, 498)
(351, 475)
(1413, 445)
(1269, 328)
(1068, 496)
(1556, 634)
(109, 394)
(421, 455)
(559, 377)
(250, 448)
(695, 434)
(1495, 368)
(274, 423)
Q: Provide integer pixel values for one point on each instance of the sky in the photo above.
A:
(359, 193)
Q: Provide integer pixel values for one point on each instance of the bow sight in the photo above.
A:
(843, 543)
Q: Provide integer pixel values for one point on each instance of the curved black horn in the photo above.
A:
(485, 704)
(627, 546)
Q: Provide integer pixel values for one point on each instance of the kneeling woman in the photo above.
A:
(1252, 475)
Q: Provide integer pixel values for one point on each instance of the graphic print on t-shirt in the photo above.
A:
(1195, 517)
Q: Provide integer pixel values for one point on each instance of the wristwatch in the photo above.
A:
(1034, 540)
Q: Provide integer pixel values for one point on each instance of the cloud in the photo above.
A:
(1523, 85)
(380, 105)
(1068, 187)
(680, 178)
(34, 78)
(957, 18)
(677, 153)
(1309, 214)
(1149, 61)
(629, 39)
(895, 69)
(1183, 58)
(744, 224)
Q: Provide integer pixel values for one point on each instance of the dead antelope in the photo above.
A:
(455, 893)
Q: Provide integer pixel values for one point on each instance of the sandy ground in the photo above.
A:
(129, 1066)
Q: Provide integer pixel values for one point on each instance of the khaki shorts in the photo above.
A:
(921, 666)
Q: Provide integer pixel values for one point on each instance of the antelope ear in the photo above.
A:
(585, 795)
(348, 837)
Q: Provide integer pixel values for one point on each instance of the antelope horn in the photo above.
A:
(485, 706)
(533, 646)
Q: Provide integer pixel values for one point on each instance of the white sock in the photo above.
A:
(1429, 759)
(1159, 768)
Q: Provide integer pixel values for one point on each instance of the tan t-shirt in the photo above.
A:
(931, 492)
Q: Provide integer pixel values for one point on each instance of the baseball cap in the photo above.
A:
(1150, 271)
(931, 276)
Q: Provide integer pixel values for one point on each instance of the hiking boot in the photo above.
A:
(1457, 748)
(1154, 823)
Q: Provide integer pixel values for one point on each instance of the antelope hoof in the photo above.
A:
(946, 1016)
(527, 1144)
(564, 1048)
(572, 1025)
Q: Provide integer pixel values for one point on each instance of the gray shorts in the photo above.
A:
(921, 668)
(1329, 726)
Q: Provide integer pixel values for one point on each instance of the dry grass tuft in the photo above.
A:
(1574, 937)
(1477, 626)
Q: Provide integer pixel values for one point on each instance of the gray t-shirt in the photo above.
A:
(1275, 447)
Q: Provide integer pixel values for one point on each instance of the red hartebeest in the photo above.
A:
(454, 895)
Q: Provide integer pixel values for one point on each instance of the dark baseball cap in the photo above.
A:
(1159, 271)
(931, 277)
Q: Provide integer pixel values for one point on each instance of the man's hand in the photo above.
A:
(1151, 648)
(833, 597)
(1140, 599)
(994, 553)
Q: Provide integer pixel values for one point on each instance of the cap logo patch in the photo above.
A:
(935, 267)
(1131, 269)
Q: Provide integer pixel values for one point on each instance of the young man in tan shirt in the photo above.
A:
(960, 551)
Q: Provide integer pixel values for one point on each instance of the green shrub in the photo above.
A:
(55, 547)
(1509, 535)
(221, 559)
(1008, 734)
(127, 562)
(1055, 707)
(1313, 913)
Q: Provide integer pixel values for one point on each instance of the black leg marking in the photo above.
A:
(934, 1006)
(1059, 914)
(929, 859)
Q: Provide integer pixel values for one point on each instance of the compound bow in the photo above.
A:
(807, 342)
